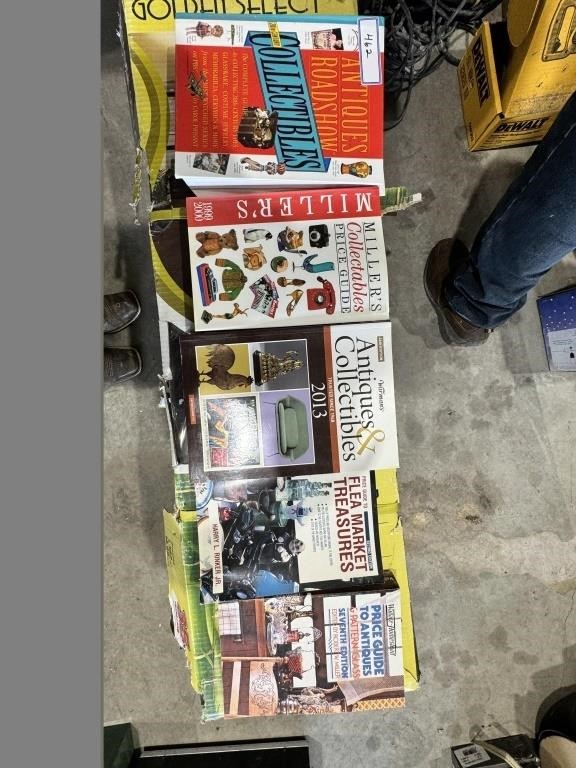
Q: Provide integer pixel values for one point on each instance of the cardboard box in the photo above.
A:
(517, 75)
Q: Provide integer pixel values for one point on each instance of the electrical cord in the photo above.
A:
(417, 39)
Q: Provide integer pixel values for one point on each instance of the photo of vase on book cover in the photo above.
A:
(287, 258)
(279, 100)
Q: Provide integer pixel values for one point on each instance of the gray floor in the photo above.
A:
(486, 480)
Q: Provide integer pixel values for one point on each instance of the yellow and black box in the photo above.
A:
(516, 75)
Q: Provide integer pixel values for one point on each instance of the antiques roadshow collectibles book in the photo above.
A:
(279, 100)
(148, 39)
(295, 257)
(284, 535)
(311, 654)
(289, 401)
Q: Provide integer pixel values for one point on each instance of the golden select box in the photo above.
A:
(517, 75)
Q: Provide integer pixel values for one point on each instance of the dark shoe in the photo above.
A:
(120, 309)
(121, 364)
(445, 259)
(559, 719)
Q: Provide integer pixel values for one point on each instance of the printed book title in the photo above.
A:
(351, 505)
(285, 90)
(159, 10)
(355, 387)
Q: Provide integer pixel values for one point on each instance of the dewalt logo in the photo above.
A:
(480, 71)
(521, 126)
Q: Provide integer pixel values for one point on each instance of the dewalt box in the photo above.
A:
(517, 75)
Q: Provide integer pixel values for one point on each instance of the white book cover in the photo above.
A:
(273, 258)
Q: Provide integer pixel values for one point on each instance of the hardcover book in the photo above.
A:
(287, 258)
(279, 100)
(148, 38)
(311, 654)
(284, 535)
(290, 401)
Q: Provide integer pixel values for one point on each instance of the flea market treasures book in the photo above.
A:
(285, 535)
(312, 654)
(279, 100)
(292, 401)
(295, 257)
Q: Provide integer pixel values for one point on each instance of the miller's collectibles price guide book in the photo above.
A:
(295, 257)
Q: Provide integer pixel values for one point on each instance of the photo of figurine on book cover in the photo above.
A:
(279, 100)
(287, 258)
(290, 401)
(284, 535)
(312, 654)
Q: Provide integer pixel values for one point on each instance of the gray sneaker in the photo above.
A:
(120, 309)
(121, 364)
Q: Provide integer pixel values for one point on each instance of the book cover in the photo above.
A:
(311, 654)
(557, 313)
(148, 39)
(285, 535)
(290, 401)
(393, 561)
(296, 257)
(280, 100)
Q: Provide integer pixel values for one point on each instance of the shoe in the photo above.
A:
(121, 364)
(120, 309)
(559, 719)
(446, 258)
(296, 296)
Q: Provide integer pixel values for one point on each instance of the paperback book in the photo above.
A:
(279, 100)
(287, 258)
(284, 535)
(311, 654)
(290, 401)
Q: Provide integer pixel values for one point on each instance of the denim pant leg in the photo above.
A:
(531, 229)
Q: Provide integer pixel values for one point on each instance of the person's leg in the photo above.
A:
(531, 229)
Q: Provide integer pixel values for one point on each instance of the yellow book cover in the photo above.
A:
(148, 39)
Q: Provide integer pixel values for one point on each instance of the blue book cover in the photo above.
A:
(558, 319)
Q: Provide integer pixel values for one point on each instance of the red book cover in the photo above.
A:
(281, 100)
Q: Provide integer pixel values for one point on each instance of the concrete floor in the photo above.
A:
(487, 477)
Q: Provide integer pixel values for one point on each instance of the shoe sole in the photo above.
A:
(136, 316)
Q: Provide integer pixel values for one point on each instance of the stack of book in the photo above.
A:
(287, 573)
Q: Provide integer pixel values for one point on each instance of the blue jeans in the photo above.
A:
(531, 229)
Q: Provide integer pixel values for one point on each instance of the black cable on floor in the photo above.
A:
(417, 39)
